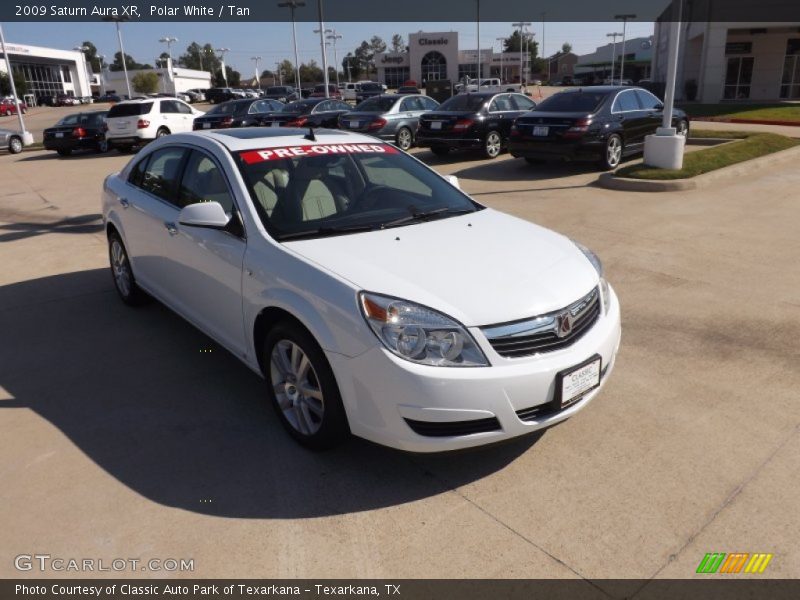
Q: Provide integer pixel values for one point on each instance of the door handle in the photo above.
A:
(124, 202)
(170, 227)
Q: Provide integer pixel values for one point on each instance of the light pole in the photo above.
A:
(170, 75)
(501, 40)
(222, 52)
(322, 43)
(521, 25)
(292, 5)
(279, 71)
(478, 24)
(84, 50)
(614, 35)
(102, 58)
(544, 55)
(624, 19)
(116, 21)
(257, 60)
(27, 136)
(333, 37)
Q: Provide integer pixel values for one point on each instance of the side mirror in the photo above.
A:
(453, 180)
(204, 214)
(659, 106)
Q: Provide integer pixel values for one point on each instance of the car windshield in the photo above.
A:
(297, 108)
(328, 189)
(371, 87)
(463, 102)
(376, 104)
(229, 108)
(579, 101)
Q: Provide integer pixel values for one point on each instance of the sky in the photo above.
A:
(273, 41)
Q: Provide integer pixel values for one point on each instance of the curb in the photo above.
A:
(612, 182)
(745, 121)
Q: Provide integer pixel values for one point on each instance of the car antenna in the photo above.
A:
(310, 135)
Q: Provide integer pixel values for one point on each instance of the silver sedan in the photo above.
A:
(390, 117)
(11, 140)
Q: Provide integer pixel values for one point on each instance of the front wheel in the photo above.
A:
(302, 388)
(493, 144)
(404, 138)
(612, 153)
(102, 147)
(162, 131)
(15, 145)
(124, 281)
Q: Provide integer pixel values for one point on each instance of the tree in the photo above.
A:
(350, 66)
(566, 47)
(145, 83)
(19, 82)
(287, 72)
(310, 72)
(201, 58)
(91, 56)
(363, 55)
(512, 44)
(130, 63)
(234, 77)
(398, 43)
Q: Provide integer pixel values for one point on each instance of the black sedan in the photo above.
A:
(368, 89)
(311, 112)
(237, 113)
(79, 131)
(281, 93)
(475, 120)
(602, 123)
(390, 117)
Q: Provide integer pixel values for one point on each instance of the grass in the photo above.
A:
(752, 145)
(761, 112)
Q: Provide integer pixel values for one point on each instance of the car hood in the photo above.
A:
(481, 269)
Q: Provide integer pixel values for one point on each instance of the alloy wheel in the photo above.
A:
(613, 151)
(15, 145)
(493, 144)
(404, 139)
(297, 387)
(120, 268)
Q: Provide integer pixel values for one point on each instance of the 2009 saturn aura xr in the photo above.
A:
(372, 295)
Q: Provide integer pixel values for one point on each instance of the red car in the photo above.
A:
(319, 92)
(8, 108)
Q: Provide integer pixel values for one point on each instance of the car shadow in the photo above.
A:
(10, 232)
(179, 420)
(77, 155)
(517, 169)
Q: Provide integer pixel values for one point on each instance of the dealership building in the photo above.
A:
(48, 71)
(436, 56)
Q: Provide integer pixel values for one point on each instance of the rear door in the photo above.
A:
(654, 109)
(501, 114)
(184, 117)
(626, 110)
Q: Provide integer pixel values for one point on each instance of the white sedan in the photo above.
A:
(373, 296)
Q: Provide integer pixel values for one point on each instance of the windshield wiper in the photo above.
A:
(426, 214)
(323, 231)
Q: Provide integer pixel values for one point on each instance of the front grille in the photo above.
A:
(453, 428)
(540, 334)
(542, 411)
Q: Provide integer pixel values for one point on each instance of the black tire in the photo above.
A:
(102, 147)
(162, 131)
(64, 151)
(492, 144)
(610, 160)
(297, 411)
(132, 294)
(404, 138)
(7, 113)
(440, 150)
(15, 144)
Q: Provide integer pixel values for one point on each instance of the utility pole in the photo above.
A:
(222, 52)
(333, 37)
(501, 40)
(170, 75)
(614, 35)
(544, 54)
(257, 60)
(322, 34)
(27, 136)
(116, 21)
(521, 25)
(624, 19)
(292, 5)
(279, 71)
(102, 58)
(478, 22)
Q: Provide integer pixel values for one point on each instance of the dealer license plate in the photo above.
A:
(354, 124)
(274, 124)
(541, 131)
(576, 382)
(436, 124)
(206, 125)
(59, 134)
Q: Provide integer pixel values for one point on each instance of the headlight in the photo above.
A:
(419, 334)
(598, 266)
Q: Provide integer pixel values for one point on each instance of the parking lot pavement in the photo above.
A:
(124, 437)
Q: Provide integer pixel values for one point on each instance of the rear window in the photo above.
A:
(463, 102)
(298, 108)
(130, 110)
(371, 87)
(376, 104)
(572, 102)
(230, 108)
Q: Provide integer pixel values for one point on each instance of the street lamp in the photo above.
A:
(322, 34)
(116, 21)
(501, 40)
(624, 19)
(614, 35)
(170, 74)
(521, 25)
(333, 37)
(222, 52)
(27, 136)
(84, 50)
(279, 71)
(292, 5)
(257, 60)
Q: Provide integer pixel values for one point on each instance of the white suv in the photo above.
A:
(135, 122)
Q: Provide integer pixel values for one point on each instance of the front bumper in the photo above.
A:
(385, 396)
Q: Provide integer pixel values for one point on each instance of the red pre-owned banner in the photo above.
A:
(254, 156)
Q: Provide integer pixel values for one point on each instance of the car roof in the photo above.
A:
(607, 89)
(252, 138)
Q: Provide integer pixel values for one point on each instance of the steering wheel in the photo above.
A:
(371, 195)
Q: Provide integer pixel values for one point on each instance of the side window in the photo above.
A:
(137, 172)
(322, 106)
(203, 182)
(162, 172)
(168, 106)
(625, 101)
(522, 102)
(337, 105)
(182, 108)
(257, 107)
(648, 100)
(407, 104)
(500, 103)
(429, 103)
